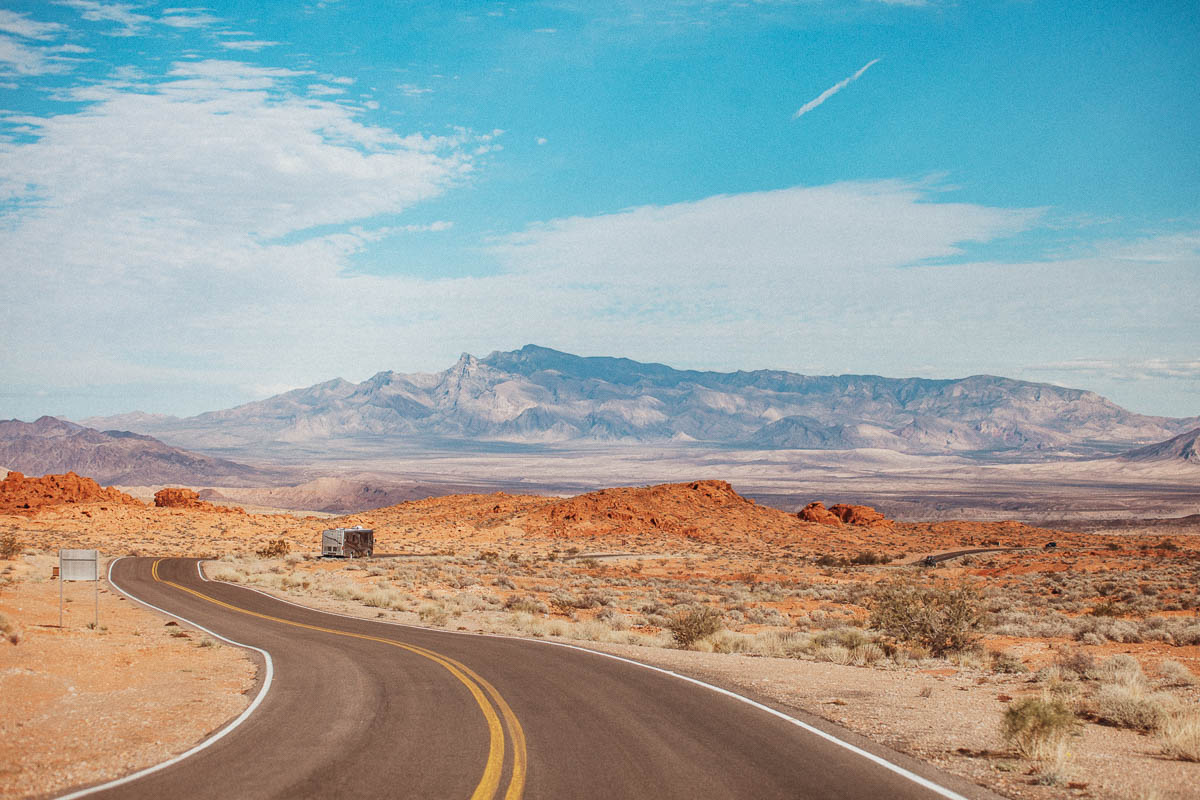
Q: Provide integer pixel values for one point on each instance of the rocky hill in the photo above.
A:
(537, 396)
(29, 495)
(1183, 448)
(53, 445)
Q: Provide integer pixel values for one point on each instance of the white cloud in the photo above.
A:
(1127, 369)
(123, 14)
(412, 90)
(253, 45)
(153, 207)
(319, 90)
(21, 25)
(188, 18)
(20, 59)
(832, 90)
(825, 230)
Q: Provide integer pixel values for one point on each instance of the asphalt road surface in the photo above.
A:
(362, 709)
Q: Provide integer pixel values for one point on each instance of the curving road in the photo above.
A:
(360, 708)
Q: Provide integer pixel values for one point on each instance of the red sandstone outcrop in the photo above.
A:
(173, 497)
(843, 514)
(817, 512)
(21, 494)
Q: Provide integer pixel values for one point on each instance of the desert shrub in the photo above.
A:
(689, 626)
(830, 560)
(834, 654)
(1132, 705)
(346, 591)
(10, 546)
(1079, 662)
(1180, 736)
(274, 549)
(1036, 726)
(433, 614)
(1120, 668)
(1107, 609)
(942, 617)
(869, 557)
(1174, 673)
(381, 598)
(530, 605)
(1006, 663)
(224, 573)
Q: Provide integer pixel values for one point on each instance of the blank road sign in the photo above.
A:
(79, 565)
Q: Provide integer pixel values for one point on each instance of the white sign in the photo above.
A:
(79, 565)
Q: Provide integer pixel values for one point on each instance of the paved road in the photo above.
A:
(360, 709)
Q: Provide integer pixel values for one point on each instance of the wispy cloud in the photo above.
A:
(412, 90)
(22, 25)
(253, 45)
(123, 14)
(188, 18)
(20, 59)
(1126, 369)
(832, 90)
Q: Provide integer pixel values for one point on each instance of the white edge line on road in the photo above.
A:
(262, 693)
(880, 760)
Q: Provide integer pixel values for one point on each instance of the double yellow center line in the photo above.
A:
(479, 688)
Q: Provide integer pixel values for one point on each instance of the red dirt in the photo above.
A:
(19, 494)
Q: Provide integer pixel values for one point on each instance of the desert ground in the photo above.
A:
(1088, 651)
(911, 487)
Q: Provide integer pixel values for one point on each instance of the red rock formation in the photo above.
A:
(30, 495)
(859, 515)
(817, 512)
(172, 497)
(843, 514)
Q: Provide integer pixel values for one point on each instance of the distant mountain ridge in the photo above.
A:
(51, 445)
(1185, 447)
(536, 395)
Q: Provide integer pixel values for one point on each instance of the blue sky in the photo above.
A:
(203, 205)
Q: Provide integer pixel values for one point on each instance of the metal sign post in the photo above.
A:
(78, 565)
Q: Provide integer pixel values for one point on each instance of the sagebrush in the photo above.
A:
(943, 617)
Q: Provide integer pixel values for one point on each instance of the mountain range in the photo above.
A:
(51, 445)
(539, 396)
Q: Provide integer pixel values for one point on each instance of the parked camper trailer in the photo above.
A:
(347, 543)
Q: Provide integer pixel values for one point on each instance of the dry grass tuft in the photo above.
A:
(1038, 727)
(1180, 735)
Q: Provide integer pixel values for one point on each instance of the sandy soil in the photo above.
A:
(82, 704)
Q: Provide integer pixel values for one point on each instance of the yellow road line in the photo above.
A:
(490, 781)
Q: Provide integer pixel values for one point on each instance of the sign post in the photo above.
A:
(78, 565)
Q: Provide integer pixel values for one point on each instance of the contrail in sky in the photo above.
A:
(832, 90)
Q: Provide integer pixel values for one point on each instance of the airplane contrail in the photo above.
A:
(832, 90)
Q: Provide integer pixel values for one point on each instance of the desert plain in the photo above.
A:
(1099, 622)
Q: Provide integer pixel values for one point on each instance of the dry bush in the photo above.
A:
(529, 605)
(1129, 704)
(1174, 673)
(10, 546)
(433, 614)
(276, 548)
(691, 625)
(944, 618)
(1180, 736)
(1037, 726)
